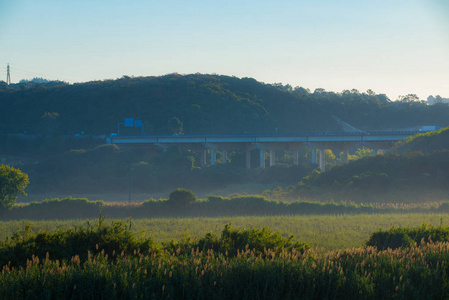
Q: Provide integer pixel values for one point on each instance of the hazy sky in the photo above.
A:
(390, 46)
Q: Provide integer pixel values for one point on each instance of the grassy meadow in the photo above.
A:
(337, 232)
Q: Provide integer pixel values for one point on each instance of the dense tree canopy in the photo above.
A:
(182, 197)
(203, 104)
(12, 183)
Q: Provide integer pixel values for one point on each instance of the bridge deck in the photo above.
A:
(269, 142)
(377, 136)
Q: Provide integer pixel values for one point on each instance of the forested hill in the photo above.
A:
(417, 171)
(203, 104)
(426, 142)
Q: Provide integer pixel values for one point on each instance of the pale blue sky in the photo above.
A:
(390, 46)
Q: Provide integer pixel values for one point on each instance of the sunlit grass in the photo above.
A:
(328, 232)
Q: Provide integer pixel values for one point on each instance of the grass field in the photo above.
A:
(328, 232)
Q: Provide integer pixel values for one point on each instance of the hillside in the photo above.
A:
(204, 104)
(426, 142)
(417, 171)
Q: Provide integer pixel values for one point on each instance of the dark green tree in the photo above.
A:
(409, 98)
(50, 123)
(181, 197)
(12, 183)
(175, 125)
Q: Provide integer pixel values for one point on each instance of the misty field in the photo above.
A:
(327, 232)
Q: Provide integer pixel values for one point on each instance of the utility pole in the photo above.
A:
(8, 75)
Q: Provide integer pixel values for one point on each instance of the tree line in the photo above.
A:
(202, 104)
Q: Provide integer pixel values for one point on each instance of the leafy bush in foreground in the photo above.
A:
(118, 237)
(234, 241)
(404, 236)
(278, 272)
(64, 244)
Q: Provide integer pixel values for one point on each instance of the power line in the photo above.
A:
(21, 72)
(24, 71)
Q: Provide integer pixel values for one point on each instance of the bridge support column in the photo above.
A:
(272, 158)
(203, 157)
(248, 159)
(314, 156)
(212, 157)
(345, 156)
(322, 160)
(224, 156)
(262, 158)
(295, 157)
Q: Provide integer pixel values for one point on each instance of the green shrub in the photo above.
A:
(259, 240)
(116, 237)
(181, 198)
(395, 238)
(444, 206)
(234, 240)
(215, 199)
(404, 236)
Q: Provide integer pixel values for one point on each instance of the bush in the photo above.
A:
(233, 241)
(404, 236)
(111, 239)
(258, 240)
(395, 238)
(181, 198)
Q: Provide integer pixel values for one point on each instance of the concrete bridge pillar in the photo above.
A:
(203, 157)
(262, 158)
(212, 157)
(248, 159)
(345, 156)
(272, 158)
(322, 160)
(314, 156)
(224, 156)
(296, 157)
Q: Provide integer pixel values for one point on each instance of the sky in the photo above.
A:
(393, 47)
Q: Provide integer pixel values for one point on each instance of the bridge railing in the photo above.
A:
(299, 134)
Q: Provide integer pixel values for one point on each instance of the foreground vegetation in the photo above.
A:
(419, 272)
(330, 232)
(238, 264)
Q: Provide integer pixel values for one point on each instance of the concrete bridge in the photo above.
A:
(269, 143)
